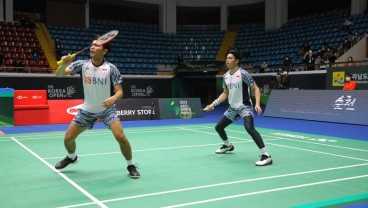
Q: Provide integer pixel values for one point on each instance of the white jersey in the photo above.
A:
(238, 85)
(96, 83)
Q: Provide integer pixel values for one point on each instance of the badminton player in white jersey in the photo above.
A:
(237, 84)
(97, 75)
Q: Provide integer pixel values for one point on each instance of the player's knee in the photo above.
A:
(219, 128)
(121, 138)
(249, 128)
(69, 138)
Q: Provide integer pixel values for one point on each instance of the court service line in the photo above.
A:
(146, 150)
(163, 148)
(265, 191)
(326, 153)
(298, 140)
(86, 193)
(216, 134)
(297, 148)
(52, 135)
(322, 144)
(224, 184)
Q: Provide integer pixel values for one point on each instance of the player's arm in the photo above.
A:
(257, 95)
(217, 102)
(118, 89)
(63, 69)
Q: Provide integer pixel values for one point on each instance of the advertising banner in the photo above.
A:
(7, 107)
(138, 109)
(147, 88)
(320, 105)
(335, 77)
(30, 97)
(184, 108)
(58, 88)
(63, 111)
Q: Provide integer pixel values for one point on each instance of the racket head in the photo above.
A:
(107, 37)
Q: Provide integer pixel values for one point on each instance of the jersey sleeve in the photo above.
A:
(223, 82)
(247, 79)
(116, 77)
(76, 66)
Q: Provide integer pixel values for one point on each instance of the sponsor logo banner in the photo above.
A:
(63, 111)
(147, 88)
(320, 105)
(335, 77)
(30, 97)
(184, 108)
(138, 109)
(60, 92)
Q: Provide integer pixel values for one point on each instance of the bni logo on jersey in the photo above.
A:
(338, 79)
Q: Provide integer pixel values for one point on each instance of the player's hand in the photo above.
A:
(66, 60)
(209, 108)
(258, 109)
(109, 102)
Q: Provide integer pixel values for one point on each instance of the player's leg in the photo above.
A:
(70, 136)
(69, 142)
(249, 127)
(220, 128)
(125, 147)
(111, 119)
(82, 121)
(120, 137)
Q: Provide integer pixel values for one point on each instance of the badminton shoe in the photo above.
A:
(264, 160)
(65, 162)
(223, 149)
(133, 172)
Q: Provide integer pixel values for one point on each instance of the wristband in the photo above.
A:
(216, 102)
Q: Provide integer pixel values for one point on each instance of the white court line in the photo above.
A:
(325, 153)
(193, 146)
(322, 144)
(88, 134)
(266, 191)
(90, 196)
(299, 140)
(281, 138)
(224, 184)
(146, 150)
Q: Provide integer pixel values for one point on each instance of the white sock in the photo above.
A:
(264, 151)
(226, 142)
(72, 156)
(129, 162)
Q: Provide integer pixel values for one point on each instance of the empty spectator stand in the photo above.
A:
(139, 48)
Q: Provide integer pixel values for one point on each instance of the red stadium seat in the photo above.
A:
(7, 62)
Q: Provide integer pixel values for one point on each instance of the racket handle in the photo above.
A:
(72, 56)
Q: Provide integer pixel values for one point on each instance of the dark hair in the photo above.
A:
(108, 47)
(235, 52)
(348, 75)
(104, 46)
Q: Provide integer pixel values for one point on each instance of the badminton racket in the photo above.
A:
(103, 39)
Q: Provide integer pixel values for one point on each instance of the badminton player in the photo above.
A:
(237, 84)
(97, 75)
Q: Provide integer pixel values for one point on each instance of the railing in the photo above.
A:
(11, 69)
(303, 66)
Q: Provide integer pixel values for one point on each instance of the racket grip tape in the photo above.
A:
(72, 56)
